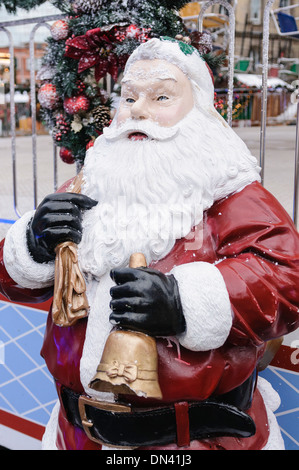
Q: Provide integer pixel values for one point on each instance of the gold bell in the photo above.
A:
(129, 363)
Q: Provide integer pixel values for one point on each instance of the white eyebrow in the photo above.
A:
(135, 77)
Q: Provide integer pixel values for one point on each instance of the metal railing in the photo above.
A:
(266, 24)
(231, 47)
(43, 22)
(38, 22)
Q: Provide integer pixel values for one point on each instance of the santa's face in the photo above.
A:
(161, 163)
(155, 90)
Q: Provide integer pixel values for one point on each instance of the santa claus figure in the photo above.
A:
(169, 179)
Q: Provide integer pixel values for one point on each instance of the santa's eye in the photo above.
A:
(162, 98)
(130, 100)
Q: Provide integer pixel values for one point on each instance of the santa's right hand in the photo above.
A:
(57, 219)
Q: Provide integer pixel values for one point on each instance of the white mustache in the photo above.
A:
(150, 128)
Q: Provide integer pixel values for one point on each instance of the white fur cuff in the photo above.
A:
(18, 262)
(206, 306)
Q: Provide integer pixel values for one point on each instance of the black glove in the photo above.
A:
(57, 219)
(146, 300)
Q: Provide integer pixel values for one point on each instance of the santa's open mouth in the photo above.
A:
(137, 136)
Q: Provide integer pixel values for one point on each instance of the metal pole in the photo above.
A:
(264, 86)
(296, 175)
(32, 20)
(12, 117)
(33, 106)
(55, 166)
(231, 49)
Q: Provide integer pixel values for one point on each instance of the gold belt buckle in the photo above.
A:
(101, 405)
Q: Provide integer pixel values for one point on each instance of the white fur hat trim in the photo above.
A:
(190, 62)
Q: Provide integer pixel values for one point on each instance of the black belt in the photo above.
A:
(119, 425)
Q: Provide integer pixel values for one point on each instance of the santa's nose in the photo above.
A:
(139, 110)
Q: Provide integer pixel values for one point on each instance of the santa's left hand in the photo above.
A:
(146, 300)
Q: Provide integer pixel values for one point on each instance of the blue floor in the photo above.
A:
(26, 387)
(286, 383)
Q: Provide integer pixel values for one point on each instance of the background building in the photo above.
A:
(249, 33)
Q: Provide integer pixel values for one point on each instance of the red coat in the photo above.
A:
(256, 247)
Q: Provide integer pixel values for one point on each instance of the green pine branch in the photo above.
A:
(213, 60)
(65, 5)
(12, 5)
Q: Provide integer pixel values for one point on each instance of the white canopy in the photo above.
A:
(19, 97)
(253, 80)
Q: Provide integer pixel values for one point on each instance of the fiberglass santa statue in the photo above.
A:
(171, 180)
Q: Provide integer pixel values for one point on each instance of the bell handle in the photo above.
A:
(137, 260)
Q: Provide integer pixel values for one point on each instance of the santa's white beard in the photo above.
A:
(153, 192)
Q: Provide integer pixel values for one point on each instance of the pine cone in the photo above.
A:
(101, 117)
(202, 41)
(87, 6)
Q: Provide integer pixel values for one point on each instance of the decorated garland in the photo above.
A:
(90, 6)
